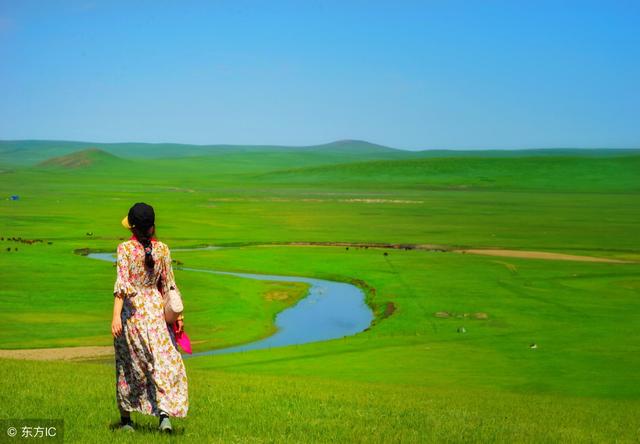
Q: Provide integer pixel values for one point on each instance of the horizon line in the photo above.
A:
(206, 145)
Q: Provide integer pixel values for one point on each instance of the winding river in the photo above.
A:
(330, 310)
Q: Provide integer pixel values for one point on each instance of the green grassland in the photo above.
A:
(411, 377)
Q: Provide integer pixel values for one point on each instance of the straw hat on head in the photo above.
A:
(140, 215)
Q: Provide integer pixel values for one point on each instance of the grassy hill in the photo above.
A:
(360, 165)
(32, 152)
(570, 173)
(414, 376)
(88, 158)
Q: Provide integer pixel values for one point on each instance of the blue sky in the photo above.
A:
(413, 75)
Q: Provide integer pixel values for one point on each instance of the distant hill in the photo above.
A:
(32, 152)
(353, 146)
(529, 152)
(81, 159)
(26, 152)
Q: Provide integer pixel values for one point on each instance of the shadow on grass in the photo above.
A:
(145, 428)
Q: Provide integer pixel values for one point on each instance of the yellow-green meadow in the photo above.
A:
(464, 347)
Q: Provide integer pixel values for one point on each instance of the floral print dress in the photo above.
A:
(150, 373)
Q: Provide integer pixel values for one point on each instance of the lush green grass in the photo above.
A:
(229, 407)
(551, 173)
(222, 309)
(216, 203)
(575, 312)
(412, 376)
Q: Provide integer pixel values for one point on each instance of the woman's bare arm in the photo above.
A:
(116, 322)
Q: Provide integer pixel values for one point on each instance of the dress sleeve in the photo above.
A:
(168, 278)
(123, 287)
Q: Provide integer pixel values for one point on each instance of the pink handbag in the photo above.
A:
(182, 339)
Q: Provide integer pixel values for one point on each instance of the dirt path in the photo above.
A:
(541, 255)
(58, 354)
(440, 248)
(446, 248)
(62, 353)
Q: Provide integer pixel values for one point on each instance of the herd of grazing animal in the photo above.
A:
(21, 240)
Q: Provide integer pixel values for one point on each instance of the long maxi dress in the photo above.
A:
(150, 373)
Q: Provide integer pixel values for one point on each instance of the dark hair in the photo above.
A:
(142, 220)
(144, 237)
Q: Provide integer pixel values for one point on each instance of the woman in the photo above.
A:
(150, 373)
